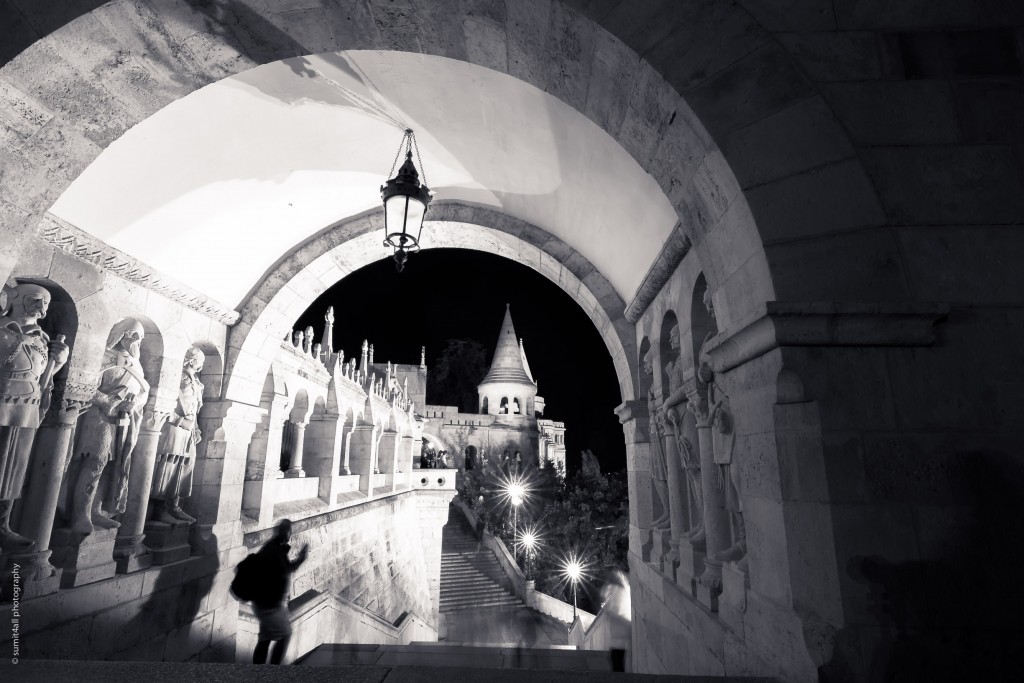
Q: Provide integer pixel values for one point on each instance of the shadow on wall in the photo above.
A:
(956, 617)
(166, 622)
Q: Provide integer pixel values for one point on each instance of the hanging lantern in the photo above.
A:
(405, 203)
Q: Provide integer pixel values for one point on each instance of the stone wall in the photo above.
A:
(379, 555)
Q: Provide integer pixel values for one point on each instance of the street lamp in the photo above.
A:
(515, 491)
(405, 203)
(530, 541)
(573, 571)
(516, 502)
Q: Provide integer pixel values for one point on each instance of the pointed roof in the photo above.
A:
(526, 363)
(508, 363)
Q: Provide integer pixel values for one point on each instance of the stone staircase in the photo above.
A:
(470, 579)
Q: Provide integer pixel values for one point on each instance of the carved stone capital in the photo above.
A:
(632, 410)
(65, 413)
(153, 420)
(697, 403)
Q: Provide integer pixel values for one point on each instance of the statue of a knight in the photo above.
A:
(29, 359)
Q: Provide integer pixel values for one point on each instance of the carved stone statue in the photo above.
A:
(723, 438)
(674, 411)
(176, 453)
(28, 361)
(659, 472)
(109, 430)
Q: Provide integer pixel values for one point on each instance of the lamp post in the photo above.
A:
(573, 570)
(516, 491)
(405, 203)
(529, 542)
(516, 502)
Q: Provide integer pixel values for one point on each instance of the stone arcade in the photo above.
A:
(841, 439)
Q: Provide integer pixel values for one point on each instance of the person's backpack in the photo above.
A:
(246, 584)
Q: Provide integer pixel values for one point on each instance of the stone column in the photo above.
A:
(39, 499)
(364, 455)
(298, 443)
(262, 464)
(635, 420)
(716, 523)
(129, 552)
(216, 500)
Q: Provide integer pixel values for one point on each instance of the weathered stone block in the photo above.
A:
(835, 56)
(969, 264)
(704, 41)
(918, 14)
(168, 543)
(947, 185)
(808, 204)
(793, 15)
(801, 137)
(760, 84)
(989, 110)
(896, 113)
(83, 559)
(866, 265)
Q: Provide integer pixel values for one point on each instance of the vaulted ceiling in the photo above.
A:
(218, 186)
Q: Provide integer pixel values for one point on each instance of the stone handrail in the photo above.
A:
(318, 618)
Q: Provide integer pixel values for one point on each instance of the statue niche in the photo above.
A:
(683, 429)
(29, 359)
(659, 471)
(176, 453)
(108, 432)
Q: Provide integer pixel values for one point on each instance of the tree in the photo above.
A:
(456, 373)
(589, 517)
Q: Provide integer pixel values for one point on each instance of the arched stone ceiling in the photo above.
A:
(216, 187)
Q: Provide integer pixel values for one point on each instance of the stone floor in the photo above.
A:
(51, 671)
(460, 656)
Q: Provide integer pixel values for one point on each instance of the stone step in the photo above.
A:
(479, 589)
(470, 582)
(479, 603)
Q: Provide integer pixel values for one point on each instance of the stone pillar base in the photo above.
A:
(168, 543)
(648, 544)
(130, 555)
(83, 559)
(294, 473)
(34, 574)
(691, 566)
(733, 602)
(660, 547)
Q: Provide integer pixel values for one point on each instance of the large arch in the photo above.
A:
(192, 46)
(269, 311)
(872, 174)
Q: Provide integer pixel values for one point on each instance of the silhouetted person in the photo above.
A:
(271, 607)
(481, 528)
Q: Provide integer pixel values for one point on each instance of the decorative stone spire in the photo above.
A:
(508, 364)
(327, 342)
(362, 360)
(371, 354)
(423, 358)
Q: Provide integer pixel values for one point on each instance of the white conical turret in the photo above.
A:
(508, 387)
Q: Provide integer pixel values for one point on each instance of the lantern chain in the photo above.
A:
(398, 154)
(416, 146)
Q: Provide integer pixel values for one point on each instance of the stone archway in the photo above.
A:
(270, 309)
(189, 45)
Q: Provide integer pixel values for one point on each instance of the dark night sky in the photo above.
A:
(460, 294)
